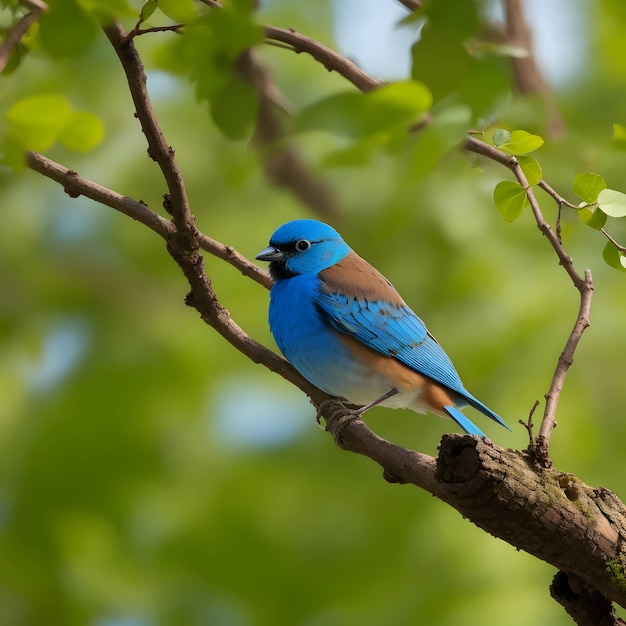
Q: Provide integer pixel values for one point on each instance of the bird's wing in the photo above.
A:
(393, 330)
(357, 300)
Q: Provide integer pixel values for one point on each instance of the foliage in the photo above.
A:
(149, 472)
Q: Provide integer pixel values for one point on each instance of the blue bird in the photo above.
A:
(346, 329)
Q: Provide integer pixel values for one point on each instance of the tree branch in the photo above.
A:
(327, 57)
(583, 284)
(584, 604)
(14, 36)
(411, 5)
(183, 242)
(158, 149)
(544, 512)
(75, 186)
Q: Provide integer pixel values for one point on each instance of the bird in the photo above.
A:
(345, 328)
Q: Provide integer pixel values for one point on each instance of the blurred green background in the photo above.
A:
(150, 474)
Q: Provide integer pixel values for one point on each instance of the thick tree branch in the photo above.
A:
(584, 604)
(551, 515)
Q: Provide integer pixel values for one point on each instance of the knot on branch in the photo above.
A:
(458, 460)
(583, 603)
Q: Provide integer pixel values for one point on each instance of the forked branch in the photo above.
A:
(583, 284)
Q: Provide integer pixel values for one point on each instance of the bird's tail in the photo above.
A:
(466, 424)
(463, 421)
(485, 410)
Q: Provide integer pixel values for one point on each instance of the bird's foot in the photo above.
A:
(333, 409)
(337, 416)
(351, 410)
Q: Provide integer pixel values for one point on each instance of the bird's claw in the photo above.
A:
(340, 407)
(338, 410)
(337, 418)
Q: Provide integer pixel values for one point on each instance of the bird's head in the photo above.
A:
(303, 247)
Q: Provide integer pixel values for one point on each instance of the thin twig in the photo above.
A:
(14, 36)
(528, 424)
(583, 284)
(158, 148)
(327, 57)
(176, 28)
(236, 259)
(559, 199)
(618, 245)
(411, 5)
(75, 186)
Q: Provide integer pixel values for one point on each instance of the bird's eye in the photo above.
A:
(302, 245)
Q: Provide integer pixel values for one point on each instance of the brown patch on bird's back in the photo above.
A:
(356, 278)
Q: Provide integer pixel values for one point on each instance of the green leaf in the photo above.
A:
(107, 10)
(531, 169)
(178, 10)
(521, 142)
(234, 108)
(612, 202)
(357, 155)
(510, 199)
(613, 257)
(500, 137)
(210, 47)
(619, 135)
(356, 115)
(40, 121)
(83, 132)
(36, 122)
(592, 216)
(410, 98)
(148, 8)
(587, 186)
(65, 30)
(442, 44)
(452, 122)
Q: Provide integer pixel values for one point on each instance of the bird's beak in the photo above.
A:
(270, 254)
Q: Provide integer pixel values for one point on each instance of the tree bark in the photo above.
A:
(548, 513)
